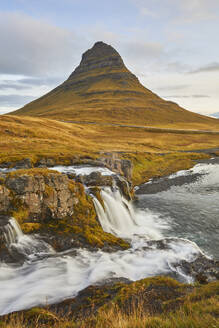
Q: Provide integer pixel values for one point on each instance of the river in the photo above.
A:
(175, 224)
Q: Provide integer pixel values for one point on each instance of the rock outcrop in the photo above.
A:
(112, 161)
(55, 207)
(45, 196)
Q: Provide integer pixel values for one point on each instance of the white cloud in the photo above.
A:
(212, 67)
(144, 8)
(34, 47)
(199, 9)
(182, 10)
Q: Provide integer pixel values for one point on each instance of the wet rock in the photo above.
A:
(4, 199)
(203, 269)
(22, 164)
(90, 299)
(152, 294)
(118, 165)
(165, 183)
(45, 162)
(125, 187)
(95, 179)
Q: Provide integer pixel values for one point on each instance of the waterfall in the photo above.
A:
(12, 232)
(119, 217)
(26, 245)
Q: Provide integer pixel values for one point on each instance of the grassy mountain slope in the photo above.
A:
(102, 89)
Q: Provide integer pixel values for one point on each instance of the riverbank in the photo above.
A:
(155, 302)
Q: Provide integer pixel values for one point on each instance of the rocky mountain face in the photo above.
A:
(102, 89)
(99, 57)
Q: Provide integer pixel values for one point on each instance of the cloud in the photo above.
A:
(144, 8)
(177, 67)
(5, 110)
(181, 10)
(212, 67)
(198, 9)
(5, 85)
(147, 12)
(14, 100)
(136, 49)
(174, 87)
(34, 47)
(188, 96)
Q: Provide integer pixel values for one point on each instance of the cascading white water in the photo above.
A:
(24, 244)
(120, 218)
(56, 277)
(12, 232)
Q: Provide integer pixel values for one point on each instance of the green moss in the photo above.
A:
(32, 172)
(134, 289)
(96, 192)
(82, 226)
(73, 187)
(29, 228)
(49, 191)
(20, 215)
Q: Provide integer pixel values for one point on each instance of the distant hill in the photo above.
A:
(215, 115)
(102, 89)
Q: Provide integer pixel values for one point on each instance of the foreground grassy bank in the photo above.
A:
(149, 303)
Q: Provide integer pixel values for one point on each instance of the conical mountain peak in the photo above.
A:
(100, 57)
(100, 49)
(102, 89)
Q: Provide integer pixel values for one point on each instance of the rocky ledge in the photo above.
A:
(112, 161)
(55, 207)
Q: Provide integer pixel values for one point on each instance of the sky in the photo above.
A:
(171, 45)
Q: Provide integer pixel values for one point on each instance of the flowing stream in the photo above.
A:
(48, 277)
(192, 208)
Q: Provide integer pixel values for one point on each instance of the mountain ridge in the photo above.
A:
(102, 89)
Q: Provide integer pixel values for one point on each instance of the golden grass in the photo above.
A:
(32, 172)
(35, 138)
(22, 137)
(147, 166)
(196, 309)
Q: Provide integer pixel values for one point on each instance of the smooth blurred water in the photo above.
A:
(192, 209)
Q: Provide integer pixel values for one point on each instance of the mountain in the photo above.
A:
(102, 89)
(216, 115)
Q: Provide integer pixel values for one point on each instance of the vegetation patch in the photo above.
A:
(38, 138)
(150, 306)
(32, 172)
(147, 166)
